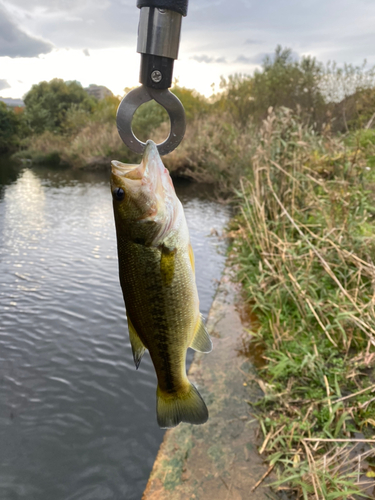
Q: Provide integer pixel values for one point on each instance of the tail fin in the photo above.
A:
(184, 406)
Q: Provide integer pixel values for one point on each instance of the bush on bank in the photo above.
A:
(12, 129)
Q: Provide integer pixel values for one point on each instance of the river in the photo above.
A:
(77, 421)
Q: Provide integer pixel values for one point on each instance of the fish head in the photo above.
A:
(143, 194)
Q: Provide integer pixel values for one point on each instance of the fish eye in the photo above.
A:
(118, 194)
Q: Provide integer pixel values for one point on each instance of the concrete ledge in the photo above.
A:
(217, 460)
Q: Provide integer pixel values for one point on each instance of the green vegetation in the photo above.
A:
(83, 134)
(64, 123)
(61, 120)
(305, 246)
(282, 82)
(47, 104)
(295, 142)
(11, 129)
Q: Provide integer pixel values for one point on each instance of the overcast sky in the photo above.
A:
(95, 41)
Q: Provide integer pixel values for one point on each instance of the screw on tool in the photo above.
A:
(158, 43)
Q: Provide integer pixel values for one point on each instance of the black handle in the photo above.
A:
(180, 6)
(161, 66)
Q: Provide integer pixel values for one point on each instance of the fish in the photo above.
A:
(157, 277)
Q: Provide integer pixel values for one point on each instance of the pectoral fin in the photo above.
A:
(191, 257)
(201, 340)
(137, 345)
(167, 265)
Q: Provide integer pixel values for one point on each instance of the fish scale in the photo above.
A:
(153, 320)
(156, 267)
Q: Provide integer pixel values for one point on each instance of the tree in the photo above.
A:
(47, 104)
(282, 81)
(10, 125)
(238, 98)
(148, 118)
(289, 83)
(351, 90)
(195, 104)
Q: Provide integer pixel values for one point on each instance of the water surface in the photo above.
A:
(77, 421)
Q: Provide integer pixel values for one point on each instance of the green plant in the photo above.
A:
(304, 248)
(12, 128)
(47, 104)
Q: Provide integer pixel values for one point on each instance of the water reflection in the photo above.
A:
(24, 209)
(76, 420)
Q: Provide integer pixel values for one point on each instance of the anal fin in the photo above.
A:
(201, 340)
(137, 345)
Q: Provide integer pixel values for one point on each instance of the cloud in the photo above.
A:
(78, 25)
(224, 36)
(256, 59)
(4, 85)
(209, 59)
(250, 41)
(16, 43)
(320, 28)
(213, 27)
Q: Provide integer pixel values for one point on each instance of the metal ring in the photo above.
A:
(170, 103)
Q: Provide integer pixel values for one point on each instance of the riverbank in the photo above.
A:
(212, 151)
(304, 244)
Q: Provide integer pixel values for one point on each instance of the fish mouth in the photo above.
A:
(125, 171)
(150, 158)
(147, 172)
(151, 153)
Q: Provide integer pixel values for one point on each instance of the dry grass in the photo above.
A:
(93, 143)
(212, 151)
(306, 247)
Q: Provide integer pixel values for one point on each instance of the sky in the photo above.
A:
(95, 41)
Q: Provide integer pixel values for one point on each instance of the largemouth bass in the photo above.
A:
(156, 267)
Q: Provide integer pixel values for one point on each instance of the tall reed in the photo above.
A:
(305, 247)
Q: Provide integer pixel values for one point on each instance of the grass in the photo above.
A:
(215, 151)
(93, 143)
(305, 246)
